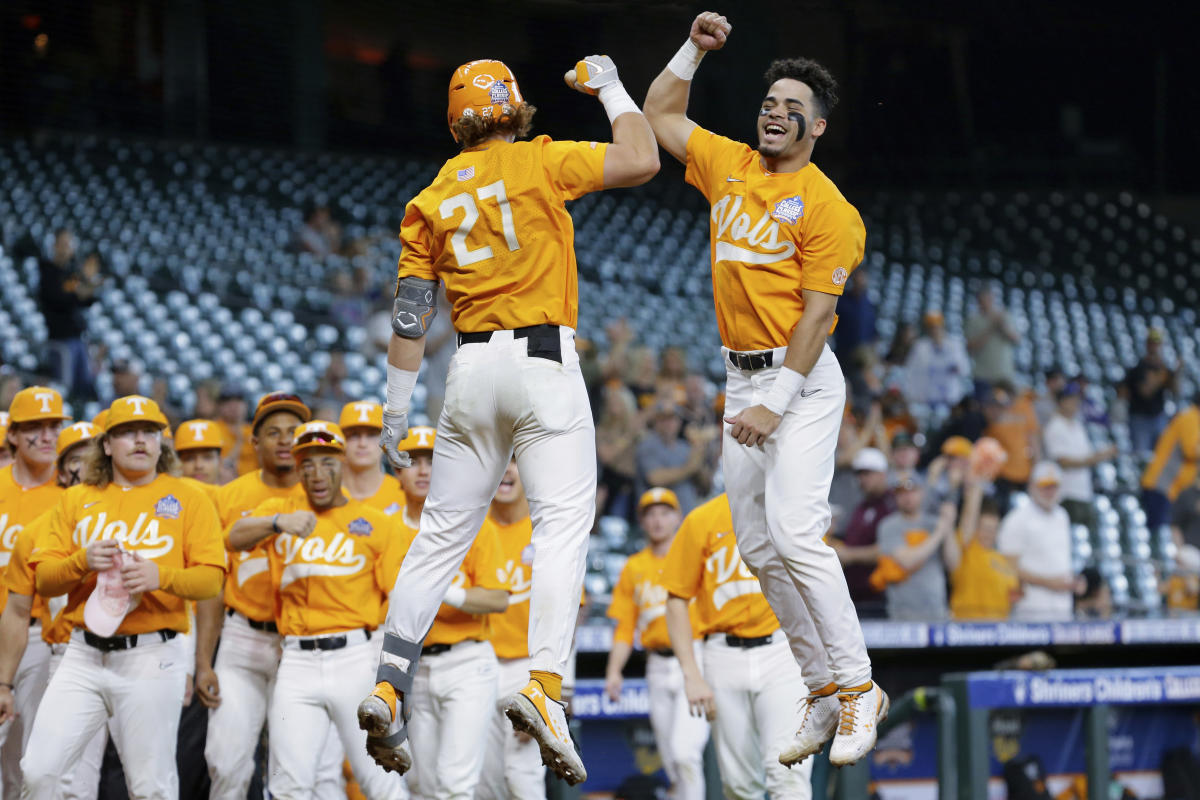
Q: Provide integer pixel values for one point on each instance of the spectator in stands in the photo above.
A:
(904, 453)
(679, 464)
(672, 373)
(896, 416)
(966, 421)
(204, 400)
(238, 455)
(617, 435)
(1047, 399)
(348, 305)
(159, 393)
(902, 342)
(937, 370)
(1176, 456)
(1012, 422)
(1145, 388)
(1037, 536)
(329, 387)
(983, 583)
(856, 319)
(320, 234)
(915, 548)
(65, 290)
(126, 378)
(947, 472)
(641, 375)
(1096, 600)
(857, 546)
(991, 341)
(1185, 527)
(1068, 445)
(697, 408)
(10, 384)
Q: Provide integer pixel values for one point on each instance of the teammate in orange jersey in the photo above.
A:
(512, 765)
(161, 533)
(493, 227)
(27, 489)
(638, 606)
(454, 693)
(332, 561)
(364, 478)
(239, 454)
(750, 685)
(784, 241)
(6, 456)
(198, 443)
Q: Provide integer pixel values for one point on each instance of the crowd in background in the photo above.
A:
(928, 521)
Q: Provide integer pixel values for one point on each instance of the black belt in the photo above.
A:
(744, 642)
(665, 652)
(269, 626)
(434, 649)
(544, 341)
(108, 644)
(752, 361)
(326, 642)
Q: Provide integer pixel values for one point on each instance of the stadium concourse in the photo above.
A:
(219, 280)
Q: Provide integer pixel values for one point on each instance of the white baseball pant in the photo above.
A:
(757, 691)
(453, 701)
(29, 684)
(679, 736)
(141, 688)
(512, 765)
(83, 781)
(246, 664)
(314, 689)
(500, 400)
(779, 496)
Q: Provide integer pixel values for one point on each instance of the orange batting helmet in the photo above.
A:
(484, 88)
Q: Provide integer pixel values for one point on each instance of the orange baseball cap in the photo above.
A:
(422, 437)
(934, 317)
(100, 418)
(36, 403)
(656, 497)
(198, 434)
(361, 414)
(318, 433)
(75, 434)
(280, 401)
(483, 88)
(957, 446)
(134, 408)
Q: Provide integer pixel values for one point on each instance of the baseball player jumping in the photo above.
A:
(332, 561)
(784, 241)
(639, 606)
(750, 684)
(493, 227)
(128, 547)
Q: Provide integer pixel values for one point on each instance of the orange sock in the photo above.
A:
(866, 687)
(387, 693)
(825, 690)
(551, 683)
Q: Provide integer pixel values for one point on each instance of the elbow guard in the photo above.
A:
(415, 307)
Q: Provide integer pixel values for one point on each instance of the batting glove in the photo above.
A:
(594, 73)
(395, 428)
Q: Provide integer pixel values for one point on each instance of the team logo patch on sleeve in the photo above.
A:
(839, 276)
(466, 174)
(168, 507)
(359, 527)
(499, 92)
(788, 210)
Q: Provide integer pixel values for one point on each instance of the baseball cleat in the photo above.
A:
(817, 726)
(545, 720)
(385, 734)
(862, 709)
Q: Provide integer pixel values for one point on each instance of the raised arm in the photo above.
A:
(632, 158)
(667, 99)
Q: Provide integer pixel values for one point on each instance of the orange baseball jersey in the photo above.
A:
(493, 228)
(704, 564)
(247, 456)
(984, 585)
(338, 577)
(772, 235)
(639, 603)
(248, 587)
(510, 630)
(482, 568)
(167, 521)
(19, 578)
(390, 497)
(18, 507)
(210, 489)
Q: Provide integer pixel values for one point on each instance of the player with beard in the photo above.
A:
(364, 478)
(784, 241)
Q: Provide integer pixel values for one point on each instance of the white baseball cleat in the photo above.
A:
(545, 720)
(818, 725)
(863, 708)
(386, 733)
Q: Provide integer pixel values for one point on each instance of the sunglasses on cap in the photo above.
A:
(323, 437)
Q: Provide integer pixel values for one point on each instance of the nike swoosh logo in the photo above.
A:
(808, 392)
(732, 179)
(89, 505)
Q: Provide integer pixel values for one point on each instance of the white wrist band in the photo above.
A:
(400, 385)
(455, 596)
(787, 383)
(685, 62)
(616, 101)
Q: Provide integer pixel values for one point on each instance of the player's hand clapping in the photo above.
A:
(710, 30)
(297, 523)
(102, 554)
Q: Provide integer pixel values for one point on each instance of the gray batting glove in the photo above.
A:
(395, 428)
(594, 73)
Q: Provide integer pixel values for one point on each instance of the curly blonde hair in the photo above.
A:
(98, 466)
(470, 131)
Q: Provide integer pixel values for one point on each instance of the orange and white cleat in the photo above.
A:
(862, 709)
(817, 726)
(384, 713)
(545, 720)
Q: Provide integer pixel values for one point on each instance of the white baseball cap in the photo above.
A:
(869, 459)
(1046, 473)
